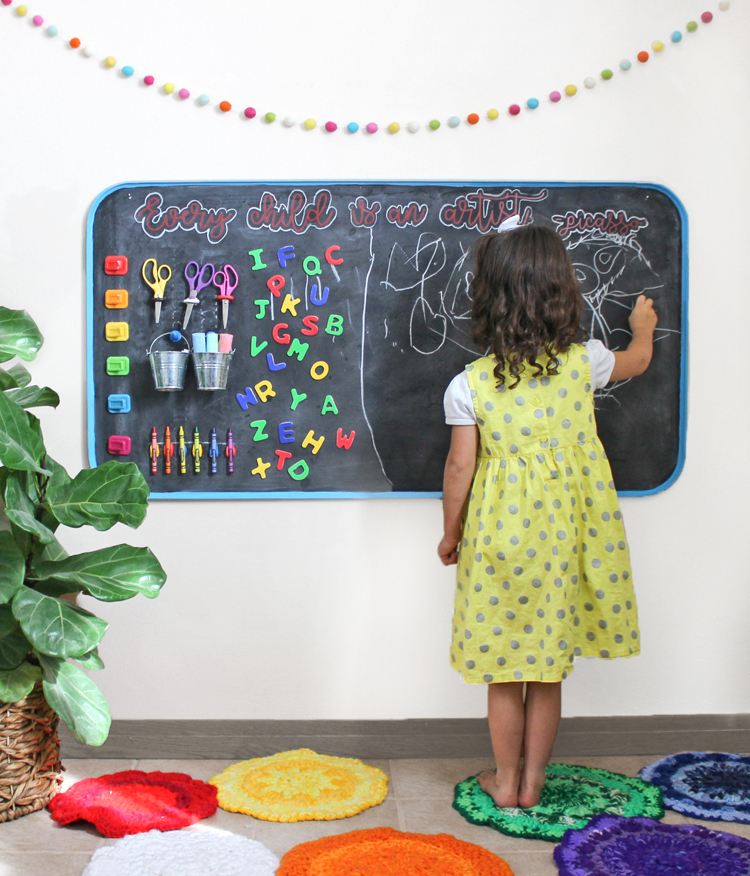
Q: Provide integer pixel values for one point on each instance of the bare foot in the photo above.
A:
(530, 792)
(505, 794)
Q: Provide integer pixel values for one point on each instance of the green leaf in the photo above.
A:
(34, 396)
(56, 627)
(76, 699)
(20, 374)
(12, 567)
(19, 335)
(58, 477)
(20, 443)
(53, 587)
(52, 551)
(14, 648)
(18, 683)
(7, 380)
(110, 574)
(91, 661)
(115, 492)
(21, 511)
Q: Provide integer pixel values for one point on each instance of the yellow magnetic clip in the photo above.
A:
(117, 331)
(116, 299)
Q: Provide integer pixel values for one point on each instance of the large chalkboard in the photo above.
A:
(350, 317)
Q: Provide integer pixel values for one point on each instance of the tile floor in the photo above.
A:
(419, 800)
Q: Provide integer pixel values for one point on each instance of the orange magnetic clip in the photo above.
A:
(116, 299)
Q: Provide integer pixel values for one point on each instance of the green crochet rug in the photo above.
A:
(572, 796)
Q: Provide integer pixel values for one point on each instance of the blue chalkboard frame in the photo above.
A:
(295, 494)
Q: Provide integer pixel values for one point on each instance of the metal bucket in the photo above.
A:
(168, 367)
(212, 370)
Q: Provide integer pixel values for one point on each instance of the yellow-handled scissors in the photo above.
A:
(156, 282)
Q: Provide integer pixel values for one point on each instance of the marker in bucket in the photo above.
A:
(212, 342)
(225, 343)
(199, 342)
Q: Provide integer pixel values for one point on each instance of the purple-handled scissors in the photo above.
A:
(226, 281)
(197, 279)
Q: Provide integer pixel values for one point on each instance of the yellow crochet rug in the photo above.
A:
(300, 785)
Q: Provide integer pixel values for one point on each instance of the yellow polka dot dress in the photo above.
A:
(543, 571)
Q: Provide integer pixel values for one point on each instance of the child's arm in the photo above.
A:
(635, 360)
(459, 473)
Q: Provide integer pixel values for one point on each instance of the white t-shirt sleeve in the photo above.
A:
(602, 362)
(459, 409)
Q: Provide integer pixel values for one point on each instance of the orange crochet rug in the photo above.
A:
(383, 851)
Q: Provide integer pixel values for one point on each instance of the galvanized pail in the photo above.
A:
(168, 367)
(211, 370)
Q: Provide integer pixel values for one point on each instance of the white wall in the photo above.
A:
(340, 609)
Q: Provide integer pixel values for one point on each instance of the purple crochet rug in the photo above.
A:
(611, 845)
(713, 787)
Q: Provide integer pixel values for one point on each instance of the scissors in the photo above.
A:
(197, 280)
(226, 281)
(157, 282)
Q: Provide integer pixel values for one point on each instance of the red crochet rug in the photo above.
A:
(133, 802)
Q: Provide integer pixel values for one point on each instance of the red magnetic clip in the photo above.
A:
(116, 265)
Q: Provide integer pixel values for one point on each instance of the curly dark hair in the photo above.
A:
(526, 300)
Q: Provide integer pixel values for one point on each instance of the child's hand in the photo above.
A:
(448, 550)
(643, 318)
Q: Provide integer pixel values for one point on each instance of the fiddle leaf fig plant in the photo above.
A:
(44, 636)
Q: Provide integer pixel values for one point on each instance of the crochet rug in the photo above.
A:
(610, 844)
(383, 851)
(133, 802)
(300, 785)
(193, 852)
(715, 787)
(571, 797)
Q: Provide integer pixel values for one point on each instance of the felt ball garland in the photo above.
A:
(331, 127)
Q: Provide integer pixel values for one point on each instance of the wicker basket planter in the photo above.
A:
(30, 768)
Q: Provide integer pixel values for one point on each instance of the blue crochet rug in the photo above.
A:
(714, 787)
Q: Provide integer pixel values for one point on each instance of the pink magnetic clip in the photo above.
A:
(118, 445)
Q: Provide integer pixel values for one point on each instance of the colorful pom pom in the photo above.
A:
(554, 96)
(289, 122)
(225, 106)
(109, 62)
(492, 114)
(607, 74)
(184, 93)
(434, 125)
(21, 11)
(394, 128)
(6, 2)
(52, 30)
(532, 103)
(204, 99)
(724, 5)
(352, 127)
(589, 82)
(371, 128)
(514, 109)
(705, 18)
(413, 127)
(676, 37)
(39, 21)
(310, 124)
(691, 26)
(331, 127)
(570, 90)
(168, 88)
(87, 51)
(250, 111)
(657, 45)
(643, 57)
(625, 64)
(454, 122)
(472, 118)
(148, 80)
(127, 71)
(269, 117)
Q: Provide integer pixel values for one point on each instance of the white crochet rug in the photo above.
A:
(197, 851)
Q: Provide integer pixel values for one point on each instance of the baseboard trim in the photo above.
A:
(413, 738)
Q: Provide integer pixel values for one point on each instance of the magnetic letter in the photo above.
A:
(283, 456)
(276, 284)
(299, 471)
(286, 433)
(318, 371)
(261, 468)
(264, 390)
(310, 440)
(290, 305)
(255, 256)
(259, 425)
(314, 266)
(285, 254)
(344, 441)
(311, 327)
(255, 347)
(278, 336)
(297, 397)
(247, 399)
(329, 256)
(329, 406)
(318, 298)
(335, 324)
(297, 348)
(262, 305)
(274, 366)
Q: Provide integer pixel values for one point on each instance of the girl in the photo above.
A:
(530, 510)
